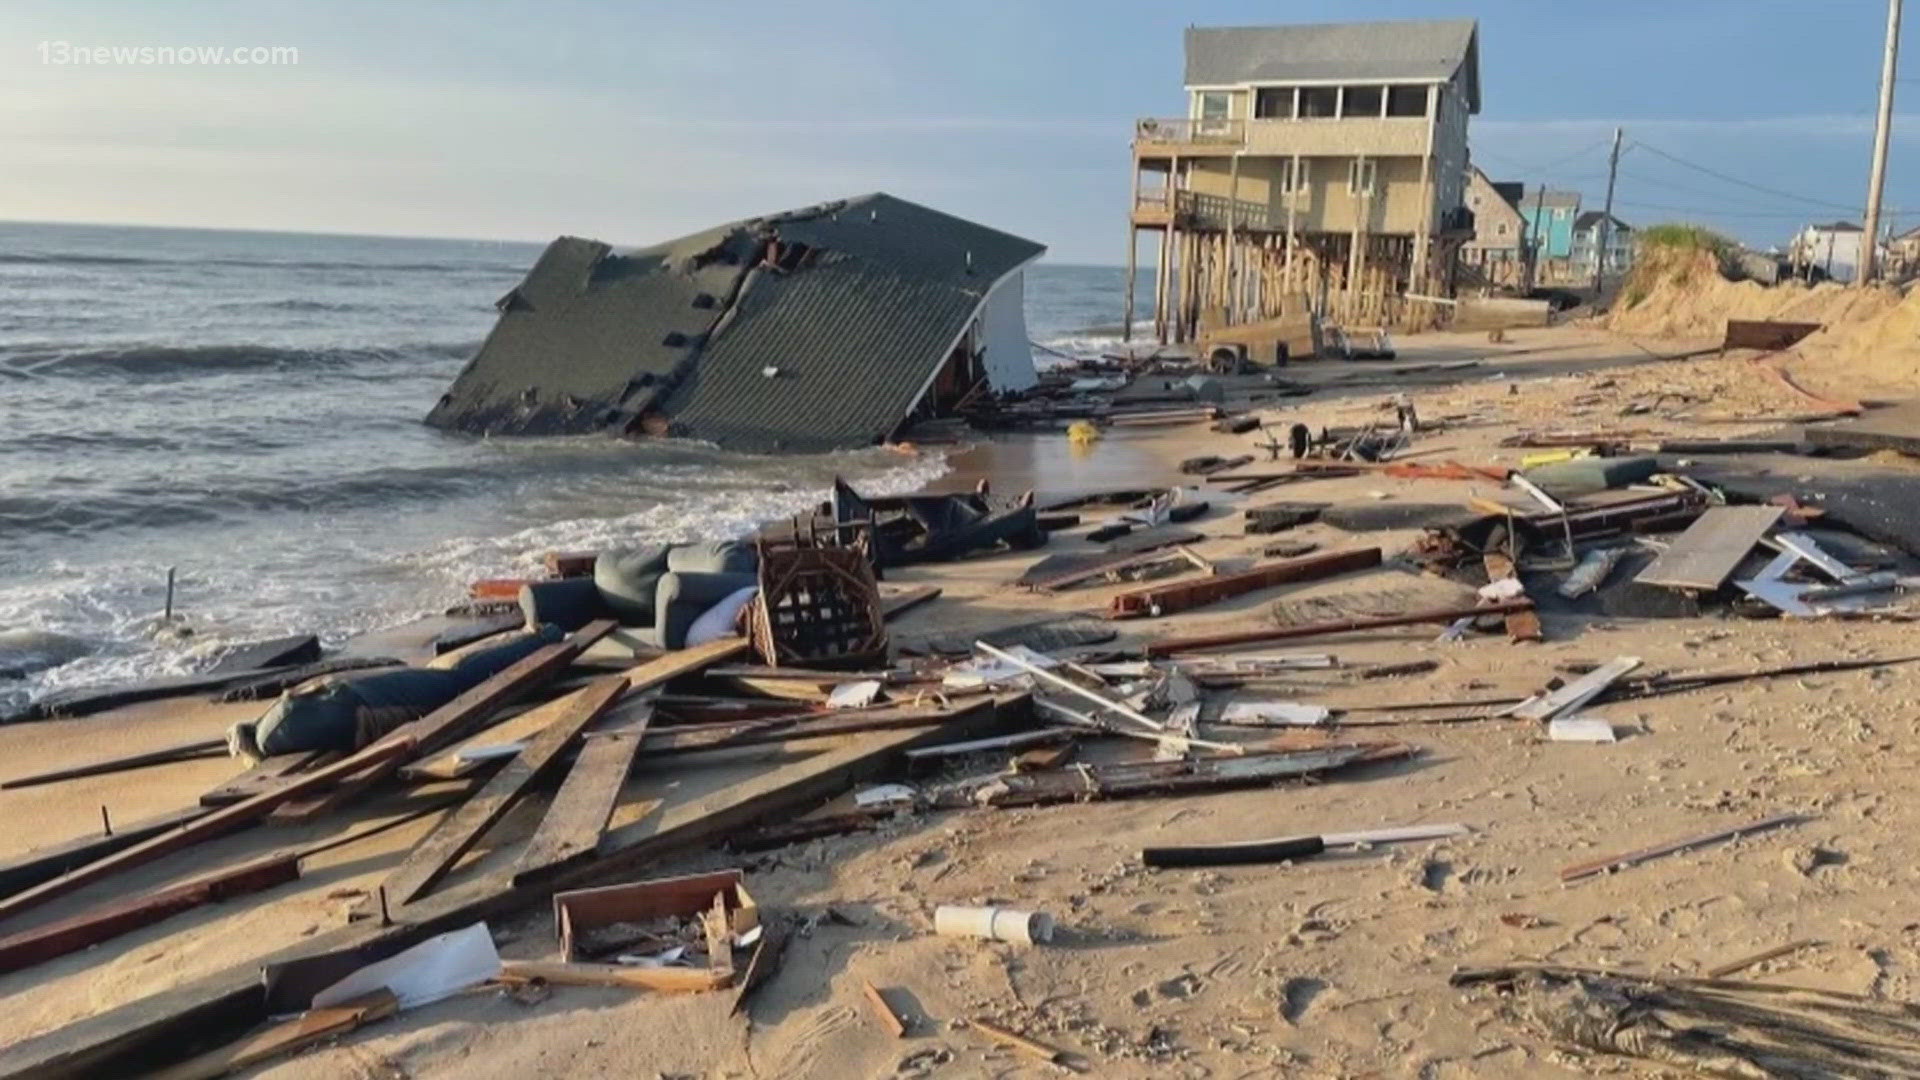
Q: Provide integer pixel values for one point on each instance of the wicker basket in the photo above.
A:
(819, 605)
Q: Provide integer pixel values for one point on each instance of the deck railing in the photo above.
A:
(1209, 132)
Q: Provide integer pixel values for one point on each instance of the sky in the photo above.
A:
(642, 120)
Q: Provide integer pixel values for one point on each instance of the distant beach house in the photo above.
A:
(1550, 216)
(1832, 250)
(1586, 238)
(826, 328)
(1499, 232)
(1321, 160)
(1903, 254)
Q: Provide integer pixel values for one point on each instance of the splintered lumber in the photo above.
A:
(1126, 779)
(1635, 858)
(1712, 548)
(1736, 966)
(783, 833)
(126, 914)
(579, 812)
(206, 826)
(312, 1026)
(1521, 625)
(1018, 1041)
(663, 980)
(1184, 596)
(762, 963)
(1102, 567)
(1170, 646)
(1106, 703)
(827, 725)
(1569, 698)
(439, 850)
(143, 1033)
(167, 755)
(453, 721)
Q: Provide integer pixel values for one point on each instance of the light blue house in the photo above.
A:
(1549, 215)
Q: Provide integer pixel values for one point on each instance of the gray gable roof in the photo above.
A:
(854, 303)
(1591, 219)
(1413, 51)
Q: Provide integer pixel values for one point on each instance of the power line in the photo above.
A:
(1536, 170)
(1664, 183)
(1776, 192)
(1790, 215)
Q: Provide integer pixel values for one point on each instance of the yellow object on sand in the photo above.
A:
(1548, 457)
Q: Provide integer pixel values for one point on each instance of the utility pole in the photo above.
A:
(1533, 234)
(1870, 233)
(1606, 219)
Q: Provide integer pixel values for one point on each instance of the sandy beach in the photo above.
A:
(1330, 967)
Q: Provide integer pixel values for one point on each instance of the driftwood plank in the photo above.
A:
(580, 810)
(439, 850)
(1711, 549)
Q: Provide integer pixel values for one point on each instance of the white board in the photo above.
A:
(1008, 354)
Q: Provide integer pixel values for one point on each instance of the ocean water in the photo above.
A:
(245, 408)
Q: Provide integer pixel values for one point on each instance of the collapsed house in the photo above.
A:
(825, 328)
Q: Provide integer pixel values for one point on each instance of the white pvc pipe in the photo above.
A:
(999, 924)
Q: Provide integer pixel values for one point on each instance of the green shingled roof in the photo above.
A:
(857, 316)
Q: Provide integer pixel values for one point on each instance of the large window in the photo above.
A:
(1273, 103)
(1407, 101)
(1319, 102)
(1213, 105)
(1364, 100)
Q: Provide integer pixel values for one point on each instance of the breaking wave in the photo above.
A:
(169, 360)
(90, 259)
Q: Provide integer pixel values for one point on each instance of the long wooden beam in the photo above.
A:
(1183, 596)
(437, 852)
(121, 916)
(144, 1033)
(571, 829)
(380, 759)
(1170, 646)
(211, 824)
(127, 914)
